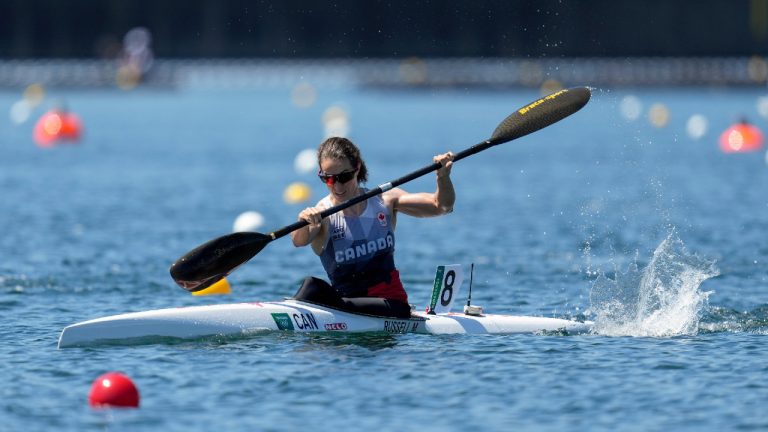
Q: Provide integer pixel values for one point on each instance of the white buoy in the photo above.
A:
(696, 126)
(762, 106)
(631, 107)
(20, 111)
(336, 121)
(305, 161)
(248, 221)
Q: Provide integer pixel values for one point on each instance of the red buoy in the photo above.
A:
(741, 137)
(113, 389)
(70, 127)
(57, 125)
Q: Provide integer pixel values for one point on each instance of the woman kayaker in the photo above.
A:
(356, 246)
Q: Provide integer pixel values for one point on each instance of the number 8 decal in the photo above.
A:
(446, 288)
(450, 278)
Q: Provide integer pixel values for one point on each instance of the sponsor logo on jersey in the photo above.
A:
(382, 219)
(338, 233)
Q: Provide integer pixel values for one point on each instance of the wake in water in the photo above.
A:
(661, 300)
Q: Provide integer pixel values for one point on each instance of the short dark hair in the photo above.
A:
(340, 148)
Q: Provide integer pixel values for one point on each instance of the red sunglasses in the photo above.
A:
(341, 178)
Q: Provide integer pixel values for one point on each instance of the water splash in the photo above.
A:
(661, 300)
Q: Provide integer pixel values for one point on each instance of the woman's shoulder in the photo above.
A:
(393, 194)
(390, 197)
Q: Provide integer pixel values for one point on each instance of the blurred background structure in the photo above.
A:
(240, 43)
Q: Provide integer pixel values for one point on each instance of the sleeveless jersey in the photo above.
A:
(360, 249)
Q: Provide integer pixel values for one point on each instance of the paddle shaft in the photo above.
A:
(381, 189)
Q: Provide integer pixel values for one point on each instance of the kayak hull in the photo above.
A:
(241, 319)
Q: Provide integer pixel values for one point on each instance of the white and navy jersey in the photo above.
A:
(360, 249)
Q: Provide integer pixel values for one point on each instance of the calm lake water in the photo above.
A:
(657, 236)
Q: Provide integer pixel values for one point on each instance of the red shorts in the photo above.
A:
(392, 290)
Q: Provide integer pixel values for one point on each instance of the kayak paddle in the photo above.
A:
(210, 262)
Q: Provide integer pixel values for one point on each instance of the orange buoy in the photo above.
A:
(71, 127)
(741, 137)
(113, 389)
(55, 126)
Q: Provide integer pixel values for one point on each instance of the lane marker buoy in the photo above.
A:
(113, 389)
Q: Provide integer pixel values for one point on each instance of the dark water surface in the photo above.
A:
(658, 237)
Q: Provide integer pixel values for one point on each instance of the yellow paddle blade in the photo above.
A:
(221, 287)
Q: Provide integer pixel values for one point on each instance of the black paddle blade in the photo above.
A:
(210, 262)
(540, 114)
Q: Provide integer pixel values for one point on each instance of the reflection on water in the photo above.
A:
(368, 341)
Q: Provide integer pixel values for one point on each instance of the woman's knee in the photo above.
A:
(317, 291)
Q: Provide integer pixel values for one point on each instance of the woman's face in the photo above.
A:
(340, 191)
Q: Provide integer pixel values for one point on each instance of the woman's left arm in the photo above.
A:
(426, 204)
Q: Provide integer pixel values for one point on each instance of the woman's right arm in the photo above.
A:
(306, 235)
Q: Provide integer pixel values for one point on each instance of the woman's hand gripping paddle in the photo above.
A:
(212, 261)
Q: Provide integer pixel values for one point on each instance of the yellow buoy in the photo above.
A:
(303, 95)
(550, 86)
(659, 115)
(34, 94)
(128, 76)
(296, 193)
(221, 287)
(414, 71)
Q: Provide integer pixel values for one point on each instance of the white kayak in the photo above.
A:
(241, 319)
